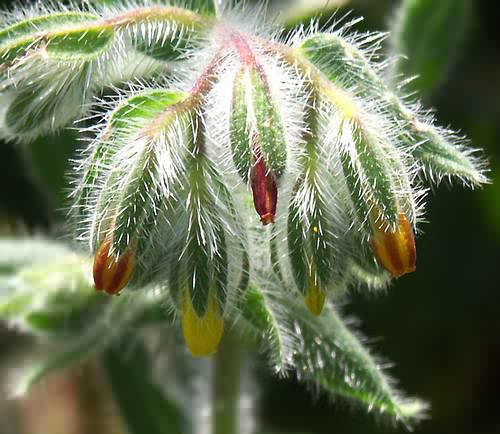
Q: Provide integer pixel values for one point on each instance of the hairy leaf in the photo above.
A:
(324, 351)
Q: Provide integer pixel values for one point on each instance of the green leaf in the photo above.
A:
(431, 35)
(145, 407)
(49, 295)
(323, 350)
(18, 252)
(66, 353)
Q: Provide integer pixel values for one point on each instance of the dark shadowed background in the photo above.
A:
(439, 326)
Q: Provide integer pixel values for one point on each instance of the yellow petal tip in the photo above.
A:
(202, 334)
(315, 299)
(395, 250)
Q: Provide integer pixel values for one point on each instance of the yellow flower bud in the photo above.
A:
(202, 334)
(394, 250)
(112, 274)
(315, 296)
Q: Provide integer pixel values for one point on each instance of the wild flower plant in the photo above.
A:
(237, 173)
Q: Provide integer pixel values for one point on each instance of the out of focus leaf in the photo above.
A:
(18, 252)
(145, 407)
(430, 34)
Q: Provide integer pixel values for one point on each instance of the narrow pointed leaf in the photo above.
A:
(324, 351)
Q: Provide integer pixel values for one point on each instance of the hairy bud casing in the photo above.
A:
(257, 139)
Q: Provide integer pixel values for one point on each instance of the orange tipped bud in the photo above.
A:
(265, 191)
(315, 297)
(111, 274)
(394, 250)
(202, 334)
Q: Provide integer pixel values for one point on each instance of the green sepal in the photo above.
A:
(344, 64)
(205, 255)
(205, 273)
(440, 158)
(256, 129)
(238, 128)
(268, 125)
(363, 270)
(256, 312)
(17, 38)
(310, 247)
(130, 205)
(374, 176)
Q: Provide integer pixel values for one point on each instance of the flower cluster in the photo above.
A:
(333, 158)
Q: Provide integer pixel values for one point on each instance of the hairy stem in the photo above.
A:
(226, 385)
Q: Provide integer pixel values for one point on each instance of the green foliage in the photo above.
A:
(145, 406)
(430, 35)
(308, 344)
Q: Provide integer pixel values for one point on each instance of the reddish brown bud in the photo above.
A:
(395, 250)
(111, 274)
(265, 191)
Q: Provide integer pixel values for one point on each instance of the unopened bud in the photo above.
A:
(315, 296)
(265, 191)
(111, 273)
(201, 334)
(394, 249)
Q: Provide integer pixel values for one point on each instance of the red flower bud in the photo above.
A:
(111, 274)
(265, 191)
(395, 250)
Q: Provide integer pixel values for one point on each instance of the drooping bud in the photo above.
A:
(111, 274)
(265, 191)
(394, 249)
(202, 333)
(211, 264)
(311, 247)
(257, 139)
(126, 189)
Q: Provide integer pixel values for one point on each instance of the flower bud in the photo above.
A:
(111, 274)
(257, 138)
(265, 191)
(394, 249)
(202, 334)
(315, 296)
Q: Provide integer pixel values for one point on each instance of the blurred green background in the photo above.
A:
(440, 326)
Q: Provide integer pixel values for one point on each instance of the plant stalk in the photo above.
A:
(227, 385)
